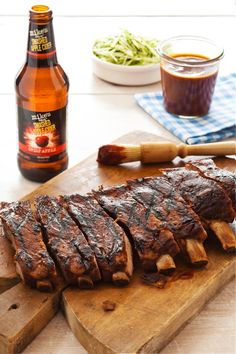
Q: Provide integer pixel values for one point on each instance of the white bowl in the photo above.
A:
(126, 75)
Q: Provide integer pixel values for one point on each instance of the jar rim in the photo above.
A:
(204, 62)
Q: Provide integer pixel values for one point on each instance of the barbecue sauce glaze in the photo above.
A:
(188, 91)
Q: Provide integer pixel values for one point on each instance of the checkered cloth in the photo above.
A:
(220, 123)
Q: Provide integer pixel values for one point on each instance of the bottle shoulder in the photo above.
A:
(52, 77)
(42, 89)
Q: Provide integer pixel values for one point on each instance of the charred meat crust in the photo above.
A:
(33, 262)
(66, 242)
(83, 233)
(151, 239)
(105, 237)
(208, 169)
(159, 197)
(206, 197)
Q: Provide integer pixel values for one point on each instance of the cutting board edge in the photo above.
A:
(162, 338)
(17, 341)
(213, 289)
(94, 343)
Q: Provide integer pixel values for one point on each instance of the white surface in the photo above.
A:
(99, 112)
(126, 8)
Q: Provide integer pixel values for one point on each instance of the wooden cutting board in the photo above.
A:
(24, 312)
(145, 318)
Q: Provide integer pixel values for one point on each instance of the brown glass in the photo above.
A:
(42, 86)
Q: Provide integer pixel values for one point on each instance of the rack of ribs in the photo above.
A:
(153, 242)
(33, 262)
(208, 199)
(226, 179)
(106, 238)
(67, 243)
(160, 198)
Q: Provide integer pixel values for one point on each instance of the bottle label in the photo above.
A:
(42, 135)
(41, 39)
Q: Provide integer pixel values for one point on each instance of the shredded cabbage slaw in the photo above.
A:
(127, 49)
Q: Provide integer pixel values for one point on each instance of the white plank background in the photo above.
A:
(126, 8)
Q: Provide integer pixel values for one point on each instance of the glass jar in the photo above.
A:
(189, 68)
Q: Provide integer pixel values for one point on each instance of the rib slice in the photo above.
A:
(33, 263)
(160, 198)
(2, 206)
(151, 239)
(106, 238)
(207, 198)
(226, 179)
(67, 243)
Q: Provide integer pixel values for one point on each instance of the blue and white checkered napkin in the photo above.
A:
(220, 123)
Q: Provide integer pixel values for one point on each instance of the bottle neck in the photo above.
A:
(41, 49)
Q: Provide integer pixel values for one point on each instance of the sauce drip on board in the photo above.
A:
(188, 91)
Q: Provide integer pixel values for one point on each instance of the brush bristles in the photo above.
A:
(116, 154)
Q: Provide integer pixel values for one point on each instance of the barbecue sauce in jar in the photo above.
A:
(188, 90)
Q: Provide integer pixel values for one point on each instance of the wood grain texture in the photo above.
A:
(23, 314)
(202, 335)
(145, 318)
(82, 178)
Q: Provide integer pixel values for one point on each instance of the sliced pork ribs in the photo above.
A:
(226, 179)
(67, 243)
(160, 198)
(208, 199)
(33, 263)
(106, 238)
(153, 242)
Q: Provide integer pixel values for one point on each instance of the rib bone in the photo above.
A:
(224, 233)
(196, 252)
(165, 264)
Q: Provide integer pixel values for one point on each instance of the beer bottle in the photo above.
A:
(42, 95)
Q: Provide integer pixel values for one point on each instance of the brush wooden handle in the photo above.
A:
(160, 151)
(167, 151)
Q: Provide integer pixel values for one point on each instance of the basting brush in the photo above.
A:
(115, 154)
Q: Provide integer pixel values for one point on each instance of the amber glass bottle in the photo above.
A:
(42, 95)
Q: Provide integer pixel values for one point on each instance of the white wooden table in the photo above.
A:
(99, 112)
